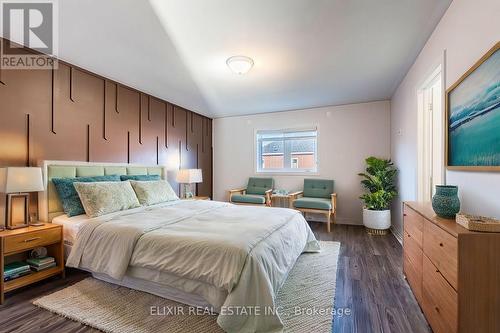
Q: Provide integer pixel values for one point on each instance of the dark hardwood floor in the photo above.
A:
(369, 283)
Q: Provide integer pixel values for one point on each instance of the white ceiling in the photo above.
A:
(307, 53)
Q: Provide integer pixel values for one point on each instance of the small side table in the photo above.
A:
(280, 200)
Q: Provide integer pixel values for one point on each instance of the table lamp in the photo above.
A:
(188, 177)
(16, 182)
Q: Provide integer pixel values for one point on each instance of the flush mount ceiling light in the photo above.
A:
(240, 64)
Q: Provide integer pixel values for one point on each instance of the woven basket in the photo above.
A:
(478, 223)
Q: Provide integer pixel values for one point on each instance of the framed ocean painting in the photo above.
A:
(473, 117)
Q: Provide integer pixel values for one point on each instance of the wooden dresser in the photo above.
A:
(453, 272)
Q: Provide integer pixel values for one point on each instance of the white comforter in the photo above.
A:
(247, 251)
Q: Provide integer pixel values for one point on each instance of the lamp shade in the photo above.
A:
(17, 180)
(189, 176)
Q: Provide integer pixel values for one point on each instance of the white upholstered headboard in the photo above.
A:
(49, 205)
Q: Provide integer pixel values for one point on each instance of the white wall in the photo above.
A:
(347, 135)
(467, 30)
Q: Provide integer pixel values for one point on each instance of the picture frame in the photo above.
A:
(472, 114)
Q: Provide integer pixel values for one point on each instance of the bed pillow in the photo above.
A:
(140, 177)
(153, 192)
(106, 197)
(70, 200)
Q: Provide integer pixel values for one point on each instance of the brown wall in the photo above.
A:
(72, 114)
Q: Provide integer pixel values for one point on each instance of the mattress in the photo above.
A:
(71, 226)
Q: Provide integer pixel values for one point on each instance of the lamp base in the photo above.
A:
(187, 191)
(17, 210)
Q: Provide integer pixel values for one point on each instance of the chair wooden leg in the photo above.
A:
(328, 221)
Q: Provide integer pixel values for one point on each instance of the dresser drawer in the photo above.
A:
(412, 249)
(442, 249)
(26, 241)
(413, 277)
(413, 224)
(412, 265)
(439, 300)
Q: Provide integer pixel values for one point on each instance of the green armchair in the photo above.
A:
(317, 197)
(257, 192)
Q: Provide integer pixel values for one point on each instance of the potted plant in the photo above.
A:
(379, 180)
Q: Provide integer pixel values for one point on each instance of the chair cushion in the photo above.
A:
(248, 198)
(259, 185)
(313, 203)
(318, 188)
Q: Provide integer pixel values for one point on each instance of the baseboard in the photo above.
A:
(397, 234)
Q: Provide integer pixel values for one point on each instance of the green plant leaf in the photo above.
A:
(380, 183)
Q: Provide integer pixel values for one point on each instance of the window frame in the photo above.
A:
(286, 171)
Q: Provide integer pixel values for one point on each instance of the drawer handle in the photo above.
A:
(405, 215)
(32, 239)
(437, 309)
(441, 244)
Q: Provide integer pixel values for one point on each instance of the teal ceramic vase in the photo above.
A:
(445, 202)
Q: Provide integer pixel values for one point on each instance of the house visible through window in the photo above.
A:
(286, 151)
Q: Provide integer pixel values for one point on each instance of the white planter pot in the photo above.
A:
(377, 221)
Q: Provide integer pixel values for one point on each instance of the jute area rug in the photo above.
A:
(306, 302)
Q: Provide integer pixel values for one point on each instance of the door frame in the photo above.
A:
(422, 149)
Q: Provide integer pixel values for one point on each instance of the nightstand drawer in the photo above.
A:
(197, 198)
(26, 241)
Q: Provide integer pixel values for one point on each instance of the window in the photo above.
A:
(287, 151)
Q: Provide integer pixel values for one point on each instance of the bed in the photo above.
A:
(226, 258)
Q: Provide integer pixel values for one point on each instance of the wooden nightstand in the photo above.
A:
(16, 244)
(197, 198)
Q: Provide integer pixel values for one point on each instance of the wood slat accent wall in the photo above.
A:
(72, 114)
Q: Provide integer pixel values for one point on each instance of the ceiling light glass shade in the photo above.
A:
(240, 64)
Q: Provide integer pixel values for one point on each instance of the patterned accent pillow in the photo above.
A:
(153, 192)
(140, 177)
(70, 200)
(106, 197)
